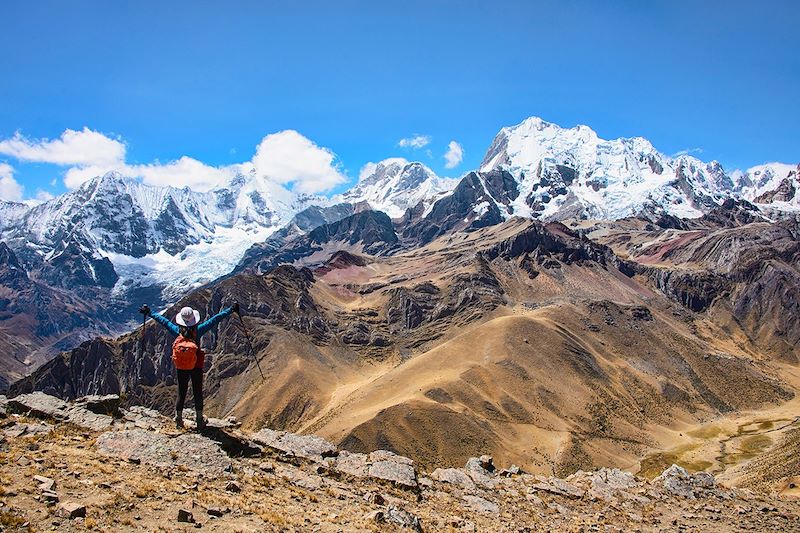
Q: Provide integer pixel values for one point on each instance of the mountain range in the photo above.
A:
(116, 242)
(574, 303)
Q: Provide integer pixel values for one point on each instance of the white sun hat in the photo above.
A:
(188, 317)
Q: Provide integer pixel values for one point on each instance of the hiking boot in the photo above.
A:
(179, 422)
(201, 422)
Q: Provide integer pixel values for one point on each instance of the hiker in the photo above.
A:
(187, 355)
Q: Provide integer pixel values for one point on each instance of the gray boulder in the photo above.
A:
(380, 464)
(41, 405)
(101, 405)
(676, 480)
(481, 505)
(391, 467)
(144, 418)
(558, 486)
(290, 445)
(606, 483)
(189, 450)
(354, 464)
(481, 470)
(402, 518)
(71, 510)
(454, 476)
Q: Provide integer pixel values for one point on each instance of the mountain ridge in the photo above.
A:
(126, 242)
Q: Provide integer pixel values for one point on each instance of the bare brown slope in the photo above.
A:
(530, 387)
(524, 340)
(746, 276)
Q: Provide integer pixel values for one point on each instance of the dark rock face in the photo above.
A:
(472, 205)
(654, 165)
(372, 229)
(315, 216)
(90, 369)
(144, 371)
(747, 267)
(696, 291)
(76, 266)
(553, 243)
(339, 260)
(33, 316)
(732, 213)
(114, 216)
(357, 333)
(468, 296)
(12, 273)
(554, 180)
(174, 228)
(685, 176)
(783, 193)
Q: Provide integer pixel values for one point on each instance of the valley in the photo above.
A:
(526, 311)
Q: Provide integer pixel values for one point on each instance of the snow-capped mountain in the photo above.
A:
(177, 238)
(121, 234)
(776, 184)
(395, 185)
(569, 172)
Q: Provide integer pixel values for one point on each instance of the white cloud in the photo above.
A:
(85, 148)
(415, 141)
(43, 196)
(288, 157)
(185, 172)
(10, 190)
(367, 170)
(688, 151)
(285, 157)
(75, 176)
(454, 155)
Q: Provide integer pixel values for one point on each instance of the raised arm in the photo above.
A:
(213, 321)
(164, 321)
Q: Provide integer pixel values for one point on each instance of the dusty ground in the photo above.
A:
(122, 496)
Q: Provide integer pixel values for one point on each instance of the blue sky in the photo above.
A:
(209, 81)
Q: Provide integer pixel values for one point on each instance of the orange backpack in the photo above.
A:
(185, 353)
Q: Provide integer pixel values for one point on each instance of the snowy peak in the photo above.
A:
(395, 185)
(772, 183)
(115, 231)
(572, 172)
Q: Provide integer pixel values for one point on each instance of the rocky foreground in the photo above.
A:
(92, 465)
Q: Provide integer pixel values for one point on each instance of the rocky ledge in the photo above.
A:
(91, 465)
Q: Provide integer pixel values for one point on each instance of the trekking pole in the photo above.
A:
(144, 325)
(250, 344)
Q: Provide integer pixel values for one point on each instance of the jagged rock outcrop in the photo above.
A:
(370, 231)
(144, 370)
(141, 471)
(748, 268)
(473, 204)
(694, 290)
(188, 450)
(468, 295)
(34, 316)
(552, 241)
(340, 260)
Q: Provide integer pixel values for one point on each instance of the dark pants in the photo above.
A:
(184, 376)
